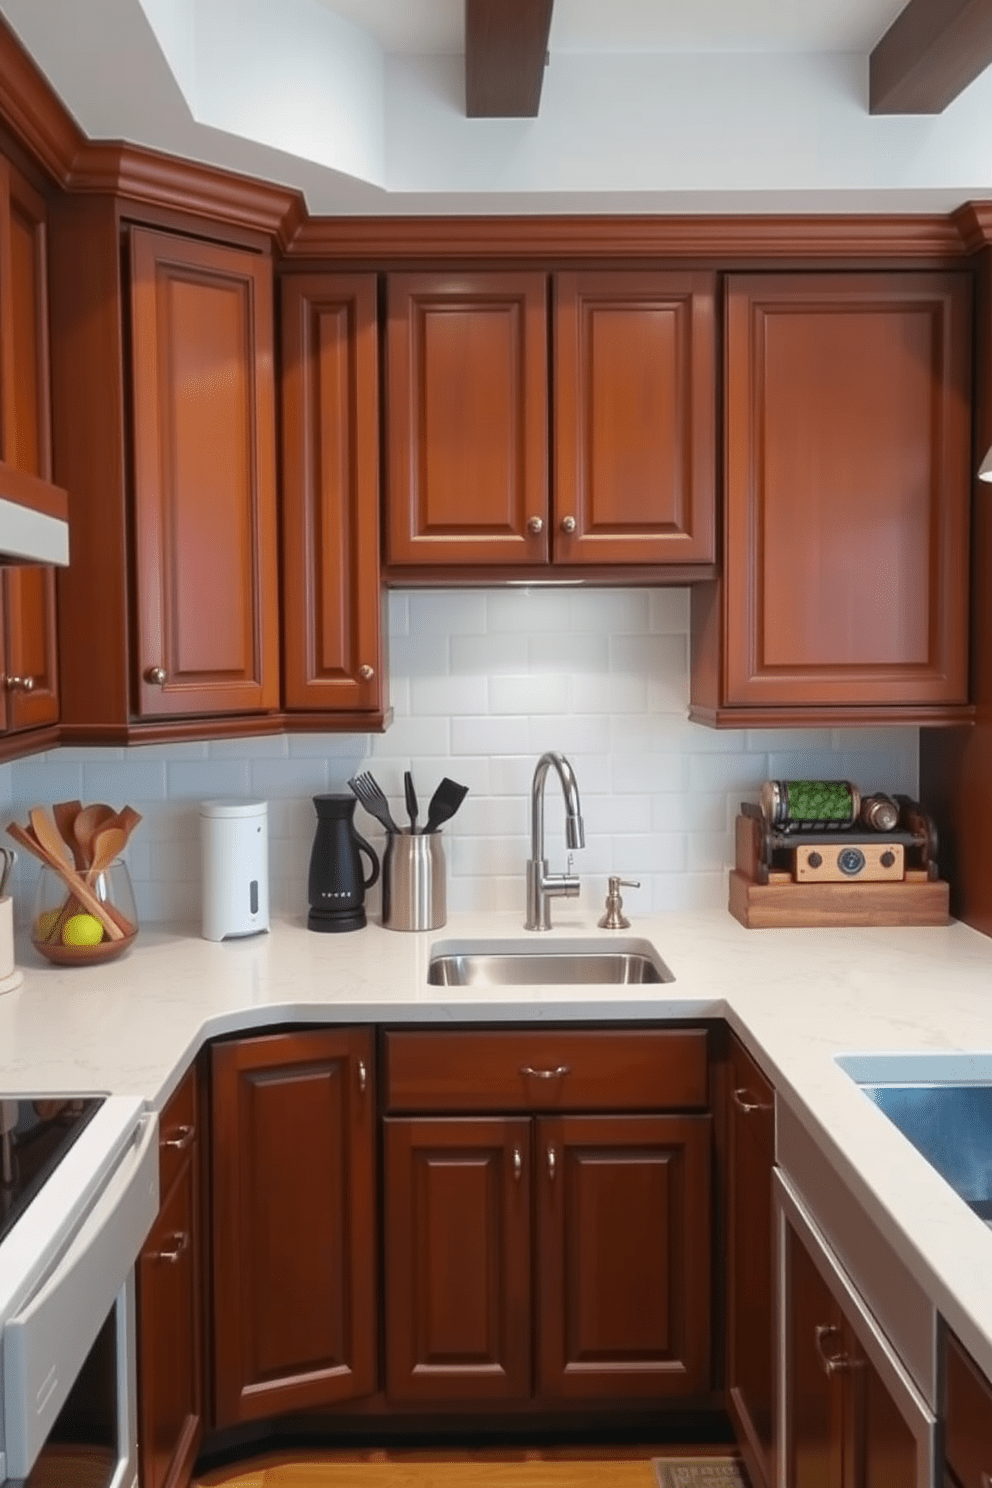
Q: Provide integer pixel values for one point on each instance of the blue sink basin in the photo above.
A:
(947, 1118)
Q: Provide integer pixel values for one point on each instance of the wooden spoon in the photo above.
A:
(55, 852)
(65, 813)
(128, 819)
(87, 823)
(106, 845)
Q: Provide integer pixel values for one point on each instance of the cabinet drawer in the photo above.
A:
(547, 1069)
(968, 1419)
(177, 1131)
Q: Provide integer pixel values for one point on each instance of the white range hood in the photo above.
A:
(34, 519)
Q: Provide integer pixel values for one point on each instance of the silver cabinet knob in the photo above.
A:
(535, 525)
(155, 675)
(366, 673)
(20, 684)
(568, 525)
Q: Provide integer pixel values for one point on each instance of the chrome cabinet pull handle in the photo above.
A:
(552, 1164)
(745, 1101)
(535, 525)
(362, 1077)
(155, 675)
(180, 1139)
(832, 1363)
(20, 684)
(518, 1164)
(173, 1255)
(548, 1074)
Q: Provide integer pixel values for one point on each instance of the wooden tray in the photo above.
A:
(781, 903)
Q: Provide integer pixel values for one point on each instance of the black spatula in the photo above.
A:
(444, 803)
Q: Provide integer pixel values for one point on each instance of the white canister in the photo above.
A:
(235, 840)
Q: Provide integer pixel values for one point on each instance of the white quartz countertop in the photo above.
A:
(797, 998)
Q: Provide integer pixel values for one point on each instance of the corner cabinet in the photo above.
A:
(331, 608)
(164, 398)
(29, 696)
(293, 1137)
(848, 483)
(483, 403)
(547, 1208)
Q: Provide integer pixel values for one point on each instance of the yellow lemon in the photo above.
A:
(45, 924)
(82, 930)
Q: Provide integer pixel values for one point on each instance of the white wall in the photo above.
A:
(483, 681)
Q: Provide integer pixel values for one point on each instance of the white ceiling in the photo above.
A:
(438, 26)
(647, 105)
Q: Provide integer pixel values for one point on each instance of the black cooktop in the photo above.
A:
(35, 1134)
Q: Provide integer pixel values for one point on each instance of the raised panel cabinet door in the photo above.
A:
(204, 478)
(848, 483)
(170, 1420)
(967, 1414)
(634, 417)
(883, 1448)
(31, 659)
(293, 1145)
(623, 1207)
(457, 1258)
(332, 653)
(750, 1260)
(814, 1395)
(467, 418)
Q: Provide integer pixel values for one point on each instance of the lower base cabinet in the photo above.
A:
(537, 1255)
(293, 1138)
(850, 1415)
(967, 1416)
(169, 1279)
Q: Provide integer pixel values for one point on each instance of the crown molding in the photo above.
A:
(716, 237)
(33, 113)
(140, 175)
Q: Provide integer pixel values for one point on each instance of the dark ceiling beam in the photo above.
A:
(506, 45)
(930, 53)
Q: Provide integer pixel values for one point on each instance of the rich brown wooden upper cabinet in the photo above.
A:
(163, 393)
(967, 1416)
(294, 1250)
(628, 394)
(547, 1216)
(848, 480)
(467, 418)
(750, 1261)
(634, 417)
(205, 482)
(331, 611)
(170, 1286)
(29, 698)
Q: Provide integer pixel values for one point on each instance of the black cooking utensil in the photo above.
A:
(411, 800)
(444, 803)
(373, 798)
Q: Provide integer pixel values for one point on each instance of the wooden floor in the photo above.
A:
(490, 1468)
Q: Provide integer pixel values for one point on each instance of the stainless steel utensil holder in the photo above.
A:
(414, 882)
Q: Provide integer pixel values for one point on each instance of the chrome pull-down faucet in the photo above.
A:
(543, 886)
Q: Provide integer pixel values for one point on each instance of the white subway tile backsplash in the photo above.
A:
(529, 695)
(481, 683)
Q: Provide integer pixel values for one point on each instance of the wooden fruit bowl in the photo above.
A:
(82, 955)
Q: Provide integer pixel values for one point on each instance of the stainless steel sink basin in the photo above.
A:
(522, 964)
(947, 1118)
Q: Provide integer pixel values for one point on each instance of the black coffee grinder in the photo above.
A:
(336, 887)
